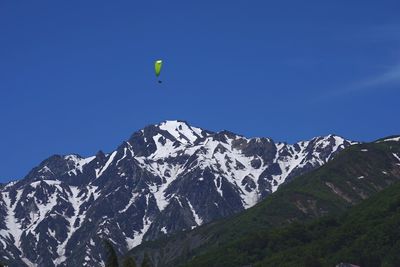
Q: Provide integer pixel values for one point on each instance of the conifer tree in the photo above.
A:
(129, 262)
(146, 261)
(112, 259)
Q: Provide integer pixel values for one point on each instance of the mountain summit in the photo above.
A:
(165, 178)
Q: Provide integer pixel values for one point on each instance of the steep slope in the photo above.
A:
(368, 235)
(353, 176)
(166, 178)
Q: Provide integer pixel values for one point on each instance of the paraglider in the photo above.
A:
(157, 68)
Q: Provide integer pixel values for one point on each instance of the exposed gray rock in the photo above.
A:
(166, 178)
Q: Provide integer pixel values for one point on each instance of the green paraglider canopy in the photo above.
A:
(157, 67)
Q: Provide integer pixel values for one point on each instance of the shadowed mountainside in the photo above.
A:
(354, 175)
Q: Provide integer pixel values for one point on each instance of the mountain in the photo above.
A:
(164, 179)
(367, 235)
(253, 237)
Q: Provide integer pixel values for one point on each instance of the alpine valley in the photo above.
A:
(167, 178)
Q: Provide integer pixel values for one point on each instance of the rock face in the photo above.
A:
(166, 178)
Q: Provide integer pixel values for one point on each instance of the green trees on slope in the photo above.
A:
(367, 235)
(292, 228)
(112, 258)
(146, 261)
(355, 174)
(128, 262)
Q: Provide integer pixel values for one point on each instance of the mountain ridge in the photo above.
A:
(354, 175)
(164, 179)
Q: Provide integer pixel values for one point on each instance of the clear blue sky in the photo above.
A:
(77, 76)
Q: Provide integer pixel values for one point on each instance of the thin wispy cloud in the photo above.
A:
(386, 79)
(390, 77)
(388, 36)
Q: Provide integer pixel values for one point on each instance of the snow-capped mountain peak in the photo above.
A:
(165, 178)
(182, 131)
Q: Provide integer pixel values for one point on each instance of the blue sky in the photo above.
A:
(77, 76)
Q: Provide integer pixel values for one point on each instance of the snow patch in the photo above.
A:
(158, 190)
(11, 221)
(124, 156)
(49, 182)
(397, 157)
(394, 139)
(78, 163)
(28, 262)
(196, 217)
(131, 201)
(76, 202)
(99, 172)
(180, 131)
(163, 150)
(138, 236)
